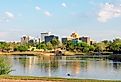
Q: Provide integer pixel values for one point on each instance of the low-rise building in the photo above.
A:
(24, 39)
(73, 37)
(76, 38)
(85, 39)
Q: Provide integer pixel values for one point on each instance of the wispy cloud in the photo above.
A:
(47, 13)
(6, 17)
(38, 8)
(109, 11)
(9, 14)
(64, 5)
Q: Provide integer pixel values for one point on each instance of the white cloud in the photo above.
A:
(6, 17)
(64, 5)
(109, 11)
(37, 8)
(47, 13)
(9, 14)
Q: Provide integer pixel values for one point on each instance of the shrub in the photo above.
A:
(5, 68)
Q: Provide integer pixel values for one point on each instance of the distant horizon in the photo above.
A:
(98, 19)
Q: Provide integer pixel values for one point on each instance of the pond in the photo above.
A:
(65, 67)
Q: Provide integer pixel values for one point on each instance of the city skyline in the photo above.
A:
(99, 20)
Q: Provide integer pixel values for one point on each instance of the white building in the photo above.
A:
(43, 35)
(24, 39)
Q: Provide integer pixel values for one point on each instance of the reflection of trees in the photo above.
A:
(54, 65)
(83, 65)
(26, 61)
(116, 65)
(46, 63)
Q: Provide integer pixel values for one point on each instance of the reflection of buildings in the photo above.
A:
(27, 62)
(76, 38)
(76, 67)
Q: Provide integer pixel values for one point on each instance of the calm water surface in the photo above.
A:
(61, 66)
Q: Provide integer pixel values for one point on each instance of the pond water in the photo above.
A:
(62, 66)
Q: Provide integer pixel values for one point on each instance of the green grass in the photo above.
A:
(52, 79)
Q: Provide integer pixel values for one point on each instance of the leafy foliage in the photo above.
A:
(41, 46)
(22, 48)
(4, 67)
(55, 43)
(49, 46)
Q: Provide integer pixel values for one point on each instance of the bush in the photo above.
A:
(4, 66)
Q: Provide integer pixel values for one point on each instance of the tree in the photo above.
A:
(116, 45)
(85, 47)
(55, 42)
(107, 44)
(70, 46)
(100, 47)
(91, 48)
(41, 46)
(49, 46)
(4, 46)
(4, 67)
(22, 48)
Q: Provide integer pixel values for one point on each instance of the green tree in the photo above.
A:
(22, 48)
(49, 46)
(55, 42)
(91, 48)
(41, 46)
(107, 44)
(4, 46)
(116, 45)
(5, 68)
(85, 47)
(100, 47)
(70, 46)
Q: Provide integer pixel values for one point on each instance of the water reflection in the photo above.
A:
(116, 65)
(61, 66)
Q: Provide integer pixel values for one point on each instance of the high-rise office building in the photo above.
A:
(50, 38)
(43, 35)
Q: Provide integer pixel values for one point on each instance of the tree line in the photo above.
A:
(79, 46)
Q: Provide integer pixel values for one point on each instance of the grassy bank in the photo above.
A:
(51, 79)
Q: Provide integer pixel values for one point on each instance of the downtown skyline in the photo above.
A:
(99, 20)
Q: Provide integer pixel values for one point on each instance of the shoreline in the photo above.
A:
(27, 53)
(8, 78)
(68, 54)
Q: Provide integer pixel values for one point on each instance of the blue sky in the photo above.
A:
(98, 19)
